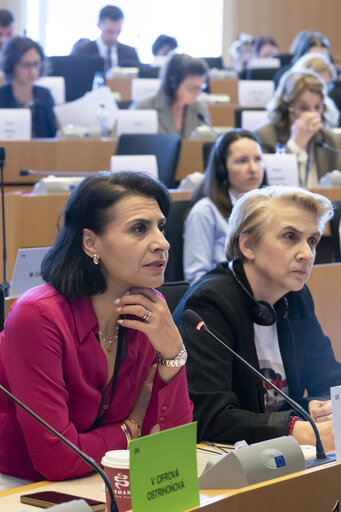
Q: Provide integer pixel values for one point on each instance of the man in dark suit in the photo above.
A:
(106, 45)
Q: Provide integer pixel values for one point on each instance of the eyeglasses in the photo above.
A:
(196, 88)
(29, 65)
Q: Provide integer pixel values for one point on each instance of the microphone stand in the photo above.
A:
(28, 172)
(5, 283)
(84, 456)
(321, 457)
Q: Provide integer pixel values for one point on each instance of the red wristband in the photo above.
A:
(291, 424)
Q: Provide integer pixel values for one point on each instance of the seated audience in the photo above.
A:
(241, 51)
(95, 351)
(179, 112)
(258, 304)
(6, 26)
(305, 42)
(311, 42)
(265, 47)
(297, 118)
(235, 166)
(21, 64)
(323, 66)
(110, 22)
(163, 45)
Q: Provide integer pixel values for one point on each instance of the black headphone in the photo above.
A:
(262, 312)
(221, 169)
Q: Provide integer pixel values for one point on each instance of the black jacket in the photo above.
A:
(228, 398)
(43, 119)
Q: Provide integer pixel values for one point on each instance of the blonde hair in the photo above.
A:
(253, 212)
(291, 86)
(317, 62)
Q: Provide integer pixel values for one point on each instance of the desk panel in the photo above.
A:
(32, 221)
(76, 155)
(313, 490)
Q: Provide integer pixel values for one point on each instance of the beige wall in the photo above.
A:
(282, 19)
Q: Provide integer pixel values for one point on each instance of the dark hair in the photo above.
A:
(110, 11)
(66, 266)
(215, 183)
(13, 52)
(179, 67)
(162, 40)
(262, 41)
(308, 41)
(6, 17)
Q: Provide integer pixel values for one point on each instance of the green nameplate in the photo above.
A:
(163, 470)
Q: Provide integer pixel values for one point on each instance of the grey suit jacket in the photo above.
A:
(326, 159)
(166, 121)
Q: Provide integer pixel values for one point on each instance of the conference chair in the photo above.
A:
(206, 151)
(173, 292)
(258, 74)
(334, 228)
(2, 307)
(164, 146)
(285, 58)
(149, 72)
(174, 235)
(78, 72)
(238, 114)
(214, 62)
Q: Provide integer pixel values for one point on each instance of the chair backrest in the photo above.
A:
(214, 62)
(238, 114)
(334, 229)
(258, 74)
(2, 307)
(173, 292)
(78, 71)
(174, 234)
(164, 146)
(149, 72)
(206, 151)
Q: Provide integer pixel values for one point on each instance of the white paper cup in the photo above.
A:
(116, 466)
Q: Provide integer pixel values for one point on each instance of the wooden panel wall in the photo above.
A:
(282, 19)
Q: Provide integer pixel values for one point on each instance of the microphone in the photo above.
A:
(5, 283)
(325, 145)
(208, 123)
(191, 319)
(28, 172)
(84, 456)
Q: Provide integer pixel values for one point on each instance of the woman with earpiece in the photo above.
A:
(235, 166)
(182, 80)
(258, 304)
(297, 118)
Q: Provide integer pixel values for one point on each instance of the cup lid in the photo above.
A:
(116, 459)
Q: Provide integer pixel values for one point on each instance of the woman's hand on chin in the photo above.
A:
(305, 127)
(153, 318)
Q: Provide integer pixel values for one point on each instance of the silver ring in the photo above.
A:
(147, 315)
(310, 127)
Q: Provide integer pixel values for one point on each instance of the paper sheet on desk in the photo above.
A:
(83, 112)
(335, 394)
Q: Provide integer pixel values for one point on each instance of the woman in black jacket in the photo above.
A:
(257, 302)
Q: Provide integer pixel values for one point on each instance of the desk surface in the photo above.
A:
(316, 490)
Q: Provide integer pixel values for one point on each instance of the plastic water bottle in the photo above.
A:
(98, 81)
(102, 119)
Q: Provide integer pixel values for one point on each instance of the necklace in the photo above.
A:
(108, 342)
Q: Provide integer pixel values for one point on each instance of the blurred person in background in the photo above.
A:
(183, 78)
(22, 64)
(107, 46)
(6, 26)
(265, 47)
(235, 166)
(297, 119)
